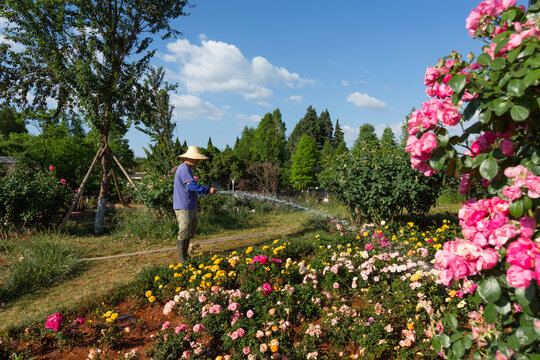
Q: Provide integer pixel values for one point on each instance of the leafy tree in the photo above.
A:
(341, 149)
(339, 137)
(366, 136)
(388, 138)
(304, 161)
(327, 153)
(11, 122)
(269, 139)
(89, 56)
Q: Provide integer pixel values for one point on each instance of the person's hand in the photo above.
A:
(213, 190)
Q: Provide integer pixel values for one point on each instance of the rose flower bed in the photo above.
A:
(371, 295)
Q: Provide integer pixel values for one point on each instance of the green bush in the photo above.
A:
(41, 264)
(379, 183)
(31, 200)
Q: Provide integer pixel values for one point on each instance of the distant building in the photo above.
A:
(137, 176)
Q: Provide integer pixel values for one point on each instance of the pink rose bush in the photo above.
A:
(498, 150)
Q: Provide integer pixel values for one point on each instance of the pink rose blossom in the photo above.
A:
(165, 325)
(267, 289)
(246, 350)
(249, 314)
(512, 192)
(521, 252)
(54, 322)
(63, 181)
(527, 227)
(51, 168)
(533, 184)
(519, 277)
(431, 76)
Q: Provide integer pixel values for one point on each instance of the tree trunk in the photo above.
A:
(80, 190)
(103, 193)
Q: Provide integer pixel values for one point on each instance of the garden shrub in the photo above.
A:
(499, 154)
(31, 199)
(378, 184)
(40, 264)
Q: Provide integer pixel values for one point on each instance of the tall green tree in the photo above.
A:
(90, 56)
(339, 136)
(326, 130)
(308, 125)
(304, 161)
(269, 142)
(366, 136)
(327, 153)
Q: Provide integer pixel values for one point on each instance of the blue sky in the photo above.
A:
(364, 61)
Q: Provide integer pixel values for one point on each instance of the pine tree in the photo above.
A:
(326, 129)
(339, 137)
(304, 162)
(308, 125)
(387, 137)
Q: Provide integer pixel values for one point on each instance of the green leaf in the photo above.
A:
(509, 16)
(457, 82)
(451, 321)
(531, 77)
(478, 160)
(437, 158)
(467, 343)
(485, 116)
(490, 313)
(519, 113)
(458, 349)
(445, 340)
(525, 335)
(470, 110)
(503, 305)
(516, 208)
(489, 169)
(484, 59)
(498, 63)
(513, 342)
(516, 87)
(503, 348)
(443, 139)
(528, 300)
(490, 290)
(436, 343)
(527, 202)
(499, 106)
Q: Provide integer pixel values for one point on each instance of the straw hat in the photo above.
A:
(193, 152)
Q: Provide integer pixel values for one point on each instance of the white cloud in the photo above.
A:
(3, 22)
(192, 107)
(296, 99)
(345, 83)
(218, 66)
(366, 101)
(252, 118)
(350, 134)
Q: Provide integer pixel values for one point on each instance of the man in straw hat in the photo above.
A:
(185, 198)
